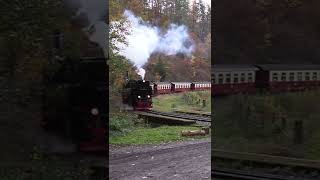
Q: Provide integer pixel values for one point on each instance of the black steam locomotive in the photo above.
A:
(137, 94)
(75, 104)
(75, 101)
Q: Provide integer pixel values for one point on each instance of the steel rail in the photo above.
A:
(266, 159)
(182, 116)
(245, 175)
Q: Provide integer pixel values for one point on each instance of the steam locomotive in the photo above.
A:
(137, 94)
(75, 100)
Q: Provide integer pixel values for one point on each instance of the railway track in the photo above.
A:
(245, 175)
(205, 114)
(265, 166)
(185, 116)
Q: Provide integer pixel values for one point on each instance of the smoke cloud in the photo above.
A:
(96, 12)
(145, 39)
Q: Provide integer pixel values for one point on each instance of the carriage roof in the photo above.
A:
(233, 67)
(286, 67)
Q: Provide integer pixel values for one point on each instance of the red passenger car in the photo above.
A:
(162, 88)
(232, 79)
(177, 87)
(200, 86)
(279, 78)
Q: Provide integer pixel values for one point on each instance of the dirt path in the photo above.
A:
(189, 160)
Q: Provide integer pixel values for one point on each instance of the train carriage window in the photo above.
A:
(291, 76)
(314, 76)
(213, 79)
(283, 76)
(250, 79)
(220, 79)
(274, 76)
(307, 76)
(242, 77)
(235, 78)
(228, 78)
(299, 76)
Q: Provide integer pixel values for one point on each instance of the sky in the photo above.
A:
(208, 2)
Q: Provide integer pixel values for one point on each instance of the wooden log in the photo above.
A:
(193, 133)
(206, 129)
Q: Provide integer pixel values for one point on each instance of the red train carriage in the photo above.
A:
(180, 86)
(278, 78)
(200, 86)
(232, 79)
(162, 88)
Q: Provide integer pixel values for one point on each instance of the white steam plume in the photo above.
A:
(96, 12)
(145, 39)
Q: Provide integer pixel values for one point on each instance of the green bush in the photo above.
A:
(122, 123)
(191, 98)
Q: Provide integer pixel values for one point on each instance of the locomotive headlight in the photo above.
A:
(94, 111)
(148, 96)
(139, 97)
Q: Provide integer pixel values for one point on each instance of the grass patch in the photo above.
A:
(122, 123)
(192, 101)
(147, 135)
(264, 123)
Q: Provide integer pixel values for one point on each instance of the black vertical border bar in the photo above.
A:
(107, 75)
(213, 45)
